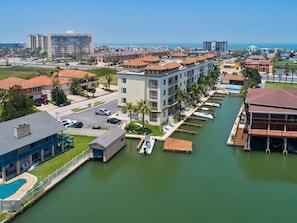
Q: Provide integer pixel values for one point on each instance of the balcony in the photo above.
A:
(153, 86)
(174, 82)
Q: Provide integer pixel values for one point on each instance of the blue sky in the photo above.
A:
(153, 21)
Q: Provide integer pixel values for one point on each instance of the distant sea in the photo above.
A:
(231, 46)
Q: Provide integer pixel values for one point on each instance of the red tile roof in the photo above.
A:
(179, 55)
(26, 84)
(234, 78)
(188, 61)
(201, 58)
(209, 55)
(274, 97)
(75, 74)
(135, 63)
(168, 66)
(150, 59)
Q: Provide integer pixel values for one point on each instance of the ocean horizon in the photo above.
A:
(231, 46)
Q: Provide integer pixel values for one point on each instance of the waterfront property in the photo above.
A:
(107, 145)
(28, 140)
(157, 81)
(259, 62)
(235, 80)
(272, 119)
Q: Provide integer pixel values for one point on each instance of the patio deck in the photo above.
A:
(178, 145)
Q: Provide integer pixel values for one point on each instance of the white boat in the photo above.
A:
(204, 115)
(148, 145)
(204, 108)
(213, 104)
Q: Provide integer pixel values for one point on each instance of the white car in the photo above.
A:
(67, 122)
(102, 111)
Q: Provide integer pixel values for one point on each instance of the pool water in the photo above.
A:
(233, 87)
(7, 190)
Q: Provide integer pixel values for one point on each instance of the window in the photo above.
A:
(164, 82)
(153, 117)
(124, 100)
(164, 103)
(164, 92)
(123, 80)
(124, 90)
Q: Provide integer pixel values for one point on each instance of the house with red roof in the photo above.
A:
(272, 124)
(36, 87)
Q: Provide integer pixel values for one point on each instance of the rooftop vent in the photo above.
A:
(22, 130)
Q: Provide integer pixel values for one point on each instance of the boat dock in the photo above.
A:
(192, 124)
(186, 131)
(196, 118)
(140, 143)
(178, 145)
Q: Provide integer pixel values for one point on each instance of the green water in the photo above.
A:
(216, 183)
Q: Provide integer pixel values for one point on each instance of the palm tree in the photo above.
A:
(108, 79)
(94, 85)
(287, 70)
(293, 72)
(195, 91)
(143, 107)
(181, 97)
(273, 73)
(129, 107)
(243, 93)
(56, 83)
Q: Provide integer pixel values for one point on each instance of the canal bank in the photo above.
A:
(216, 183)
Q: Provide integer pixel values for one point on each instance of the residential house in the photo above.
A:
(28, 140)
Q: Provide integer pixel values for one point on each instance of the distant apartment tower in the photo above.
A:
(212, 46)
(69, 44)
(37, 41)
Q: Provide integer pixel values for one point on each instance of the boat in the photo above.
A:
(204, 108)
(213, 104)
(148, 145)
(204, 115)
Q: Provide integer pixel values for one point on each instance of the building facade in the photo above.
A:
(12, 45)
(272, 123)
(214, 46)
(69, 44)
(37, 41)
(26, 141)
(157, 81)
(259, 62)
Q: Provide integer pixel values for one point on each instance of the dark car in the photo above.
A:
(65, 103)
(113, 121)
(37, 103)
(77, 124)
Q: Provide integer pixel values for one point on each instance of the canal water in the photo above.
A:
(216, 183)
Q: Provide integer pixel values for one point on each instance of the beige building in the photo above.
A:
(157, 81)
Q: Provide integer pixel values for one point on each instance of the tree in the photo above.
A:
(75, 87)
(253, 75)
(58, 94)
(181, 97)
(108, 79)
(94, 85)
(143, 107)
(17, 104)
(86, 78)
(292, 72)
(129, 107)
(273, 73)
(287, 70)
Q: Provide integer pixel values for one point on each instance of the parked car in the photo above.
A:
(113, 120)
(67, 122)
(37, 102)
(65, 103)
(102, 111)
(76, 124)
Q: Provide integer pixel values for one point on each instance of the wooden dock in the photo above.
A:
(177, 145)
(140, 143)
(186, 131)
(192, 124)
(199, 119)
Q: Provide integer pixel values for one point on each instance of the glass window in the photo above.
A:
(123, 80)
(124, 100)
(124, 90)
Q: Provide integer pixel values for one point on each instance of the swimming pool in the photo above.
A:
(7, 190)
(233, 87)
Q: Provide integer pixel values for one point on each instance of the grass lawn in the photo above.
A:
(282, 64)
(153, 130)
(50, 166)
(283, 85)
(23, 72)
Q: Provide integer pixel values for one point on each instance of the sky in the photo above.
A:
(153, 21)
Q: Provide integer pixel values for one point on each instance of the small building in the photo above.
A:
(259, 62)
(235, 80)
(107, 145)
(28, 140)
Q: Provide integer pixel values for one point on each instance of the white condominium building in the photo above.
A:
(156, 80)
(69, 44)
